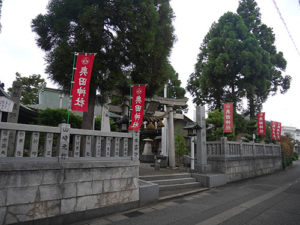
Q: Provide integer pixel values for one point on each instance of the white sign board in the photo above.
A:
(6, 105)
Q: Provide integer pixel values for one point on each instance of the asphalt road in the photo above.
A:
(266, 200)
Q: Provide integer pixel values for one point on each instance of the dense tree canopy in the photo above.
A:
(223, 56)
(30, 88)
(238, 59)
(132, 40)
(174, 90)
(258, 90)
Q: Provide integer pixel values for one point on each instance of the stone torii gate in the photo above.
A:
(151, 106)
(170, 103)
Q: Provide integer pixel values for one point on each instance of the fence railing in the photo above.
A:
(22, 140)
(226, 148)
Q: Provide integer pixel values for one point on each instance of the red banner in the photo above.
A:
(81, 85)
(228, 117)
(137, 107)
(261, 126)
(276, 130)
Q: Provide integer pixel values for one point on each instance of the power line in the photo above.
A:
(284, 23)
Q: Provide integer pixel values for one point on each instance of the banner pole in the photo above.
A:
(129, 113)
(70, 97)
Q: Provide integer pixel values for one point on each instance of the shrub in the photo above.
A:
(295, 156)
(180, 146)
(53, 117)
(287, 150)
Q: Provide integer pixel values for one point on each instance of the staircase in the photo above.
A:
(174, 185)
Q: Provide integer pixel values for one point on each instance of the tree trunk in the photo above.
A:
(234, 101)
(88, 117)
(251, 107)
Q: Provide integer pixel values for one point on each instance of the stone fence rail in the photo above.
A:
(60, 175)
(230, 149)
(20, 140)
(239, 160)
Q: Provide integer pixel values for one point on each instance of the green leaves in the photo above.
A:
(30, 88)
(237, 60)
(267, 64)
(132, 39)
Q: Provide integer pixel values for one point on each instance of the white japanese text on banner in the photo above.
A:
(137, 107)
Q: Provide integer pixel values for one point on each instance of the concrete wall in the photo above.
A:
(56, 191)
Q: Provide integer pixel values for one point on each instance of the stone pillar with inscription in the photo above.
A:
(135, 144)
(105, 125)
(14, 115)
(63, 141)
(201, 165)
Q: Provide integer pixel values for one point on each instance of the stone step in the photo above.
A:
(174, 181)
(170, 194)
(166, 176)
(179, 186)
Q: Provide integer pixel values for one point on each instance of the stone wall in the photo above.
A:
(243, 160)
(238, 169)
(56, 191)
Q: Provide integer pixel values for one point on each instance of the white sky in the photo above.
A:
(19, 52)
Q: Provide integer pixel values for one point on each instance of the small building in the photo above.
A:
(26, 114)
(292, 132)
(57, 99)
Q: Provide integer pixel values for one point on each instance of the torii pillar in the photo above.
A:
(171, 142)
(201, 163)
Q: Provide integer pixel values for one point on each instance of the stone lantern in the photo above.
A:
(192, 129)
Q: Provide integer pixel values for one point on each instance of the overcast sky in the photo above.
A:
(19, 52)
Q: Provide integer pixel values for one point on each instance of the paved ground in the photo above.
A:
(267, 200)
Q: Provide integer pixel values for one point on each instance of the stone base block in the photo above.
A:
(203, 168)
(210, 180)
(81, 216)
(149, 192)
(147, 158)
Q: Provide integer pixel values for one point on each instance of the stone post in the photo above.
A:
(201, 165)
(34, 144)
(48, 145)
(242, 150)
(76, 146)
(63, 141)
(4, 137)
(125, 108)
(192, 153)
(164, 130)
(105, 125)
(224, 146)
(14, 115)
(15, 97)
(135, 144)
(171, 138)
(164, 138)
(87, 146)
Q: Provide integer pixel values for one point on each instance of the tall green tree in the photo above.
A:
(132, 40)
(238, 59)
(30, 88)
(174, 89)
(227, 50)
(258, 89)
